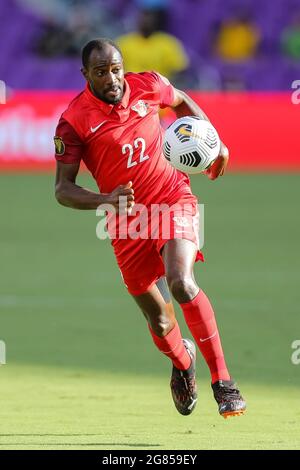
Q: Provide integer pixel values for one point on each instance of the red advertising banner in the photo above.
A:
(261, 130)
(27, 125)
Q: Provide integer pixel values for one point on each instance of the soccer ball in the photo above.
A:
(191, 144)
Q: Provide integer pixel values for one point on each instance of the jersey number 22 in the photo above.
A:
(138, 144)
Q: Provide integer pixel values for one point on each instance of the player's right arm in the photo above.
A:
(68, 153)
(69, 194)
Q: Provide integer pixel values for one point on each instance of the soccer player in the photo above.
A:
(113, 126)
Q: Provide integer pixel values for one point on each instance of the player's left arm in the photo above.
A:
(184, 105)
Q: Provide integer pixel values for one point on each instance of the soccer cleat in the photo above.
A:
(183, 383)
(229, 398)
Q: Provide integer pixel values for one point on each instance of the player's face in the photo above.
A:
(105, 74)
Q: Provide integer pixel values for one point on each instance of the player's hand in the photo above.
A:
(219, 165)
(122, 198)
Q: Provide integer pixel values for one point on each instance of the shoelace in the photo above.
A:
(184, 383)
(227, 393)
(190, 383)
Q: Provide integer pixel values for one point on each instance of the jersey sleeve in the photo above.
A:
(166, 90)
(68, 145)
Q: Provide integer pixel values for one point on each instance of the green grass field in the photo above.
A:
(81, 370)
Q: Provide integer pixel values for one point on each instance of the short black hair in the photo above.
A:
(98, 44)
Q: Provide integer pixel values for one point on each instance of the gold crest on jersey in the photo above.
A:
(141, 108)
(59, 145)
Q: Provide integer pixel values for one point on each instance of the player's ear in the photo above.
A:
(84, 73)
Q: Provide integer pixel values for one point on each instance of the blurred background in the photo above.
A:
(81, 368)
(240, 59)
(214, 45)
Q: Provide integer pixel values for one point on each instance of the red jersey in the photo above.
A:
(123, 142)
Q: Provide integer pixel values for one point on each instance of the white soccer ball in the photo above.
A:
(191, 144)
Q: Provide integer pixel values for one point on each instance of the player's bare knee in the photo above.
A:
(162, 326)
(183, 289)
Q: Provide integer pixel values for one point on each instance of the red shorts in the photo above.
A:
(140, 259)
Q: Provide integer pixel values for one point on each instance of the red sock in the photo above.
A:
(200, 318)
(172, 346)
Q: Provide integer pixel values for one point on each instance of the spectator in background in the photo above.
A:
(60, 39)
(55, 40)
(237, 39)
(149, 48)
(290, 39)
(82, 27)
(64, 36)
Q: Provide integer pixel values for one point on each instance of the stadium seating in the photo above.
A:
(191, 21)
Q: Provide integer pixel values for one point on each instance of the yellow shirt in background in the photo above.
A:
(237, 41)
(160, 52)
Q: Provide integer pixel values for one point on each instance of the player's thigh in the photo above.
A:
(179, 257)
